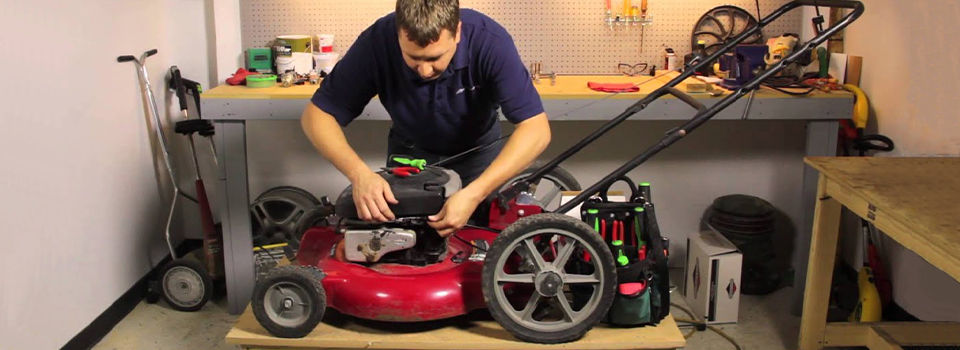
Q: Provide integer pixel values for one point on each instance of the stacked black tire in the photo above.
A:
(749, 223)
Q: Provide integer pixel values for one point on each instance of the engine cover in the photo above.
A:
(371, 245)
(418, 194)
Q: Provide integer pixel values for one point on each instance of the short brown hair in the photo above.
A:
(424, 20)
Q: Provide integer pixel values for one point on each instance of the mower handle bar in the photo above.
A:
(703, 114)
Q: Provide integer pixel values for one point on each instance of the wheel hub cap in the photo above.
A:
(548, 283)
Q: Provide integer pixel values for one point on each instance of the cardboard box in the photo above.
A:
(712, 277)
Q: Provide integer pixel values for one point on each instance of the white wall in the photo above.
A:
(82, 211)
(909, 73)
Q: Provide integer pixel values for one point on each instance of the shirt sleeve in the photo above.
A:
(347, 90)
(514, 90)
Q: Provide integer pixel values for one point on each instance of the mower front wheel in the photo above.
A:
(289, 302)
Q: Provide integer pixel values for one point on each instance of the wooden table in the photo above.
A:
(462, 333)
(915, 201)
(569, 99)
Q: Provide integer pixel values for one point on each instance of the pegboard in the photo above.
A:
(568, 36)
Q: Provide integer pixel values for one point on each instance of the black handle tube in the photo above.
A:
(150, 52)
(126, 58)
(682, 96)
(703, 116)
(830, 3)
(176, 83)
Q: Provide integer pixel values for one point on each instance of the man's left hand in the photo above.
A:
(455, 213)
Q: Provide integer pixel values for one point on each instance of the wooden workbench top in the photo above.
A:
(343, 332)
(915, 201)
(566, 87)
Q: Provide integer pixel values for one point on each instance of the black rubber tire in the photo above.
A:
(536, 222)
(306, 277)
(153, 292)
(291, 189)
(283, 197)
(559, 175)
(205, 282)
(318, 216)
(562, 176)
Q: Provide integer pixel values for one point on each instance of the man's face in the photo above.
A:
(429, 61)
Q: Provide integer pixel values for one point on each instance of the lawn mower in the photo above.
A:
(544, 276)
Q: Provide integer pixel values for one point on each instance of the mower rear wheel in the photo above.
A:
(548, 278)
(289, 302)
(185, 284)
(276, 214)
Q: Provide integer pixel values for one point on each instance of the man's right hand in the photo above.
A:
(371, 193)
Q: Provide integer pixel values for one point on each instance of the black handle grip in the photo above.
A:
(830, 3)
(194, 88)
(682, 96)
(151, 52)
(176, 83)
(126, 58)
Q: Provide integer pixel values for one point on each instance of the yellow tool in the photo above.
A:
(868, 305)
(861, 108)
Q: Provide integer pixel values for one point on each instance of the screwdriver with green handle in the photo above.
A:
(418, 163)
(638, 231)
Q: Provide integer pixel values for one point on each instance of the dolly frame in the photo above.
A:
(703, 113)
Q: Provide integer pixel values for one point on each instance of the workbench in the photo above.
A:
(462, 333)
(568, 99)
(914, 201)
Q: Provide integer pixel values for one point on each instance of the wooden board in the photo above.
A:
(567, 87)
(915, 201)
(459, 333)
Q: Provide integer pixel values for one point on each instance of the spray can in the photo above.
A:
(670, 60)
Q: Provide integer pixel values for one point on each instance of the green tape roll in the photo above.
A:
(261, 80)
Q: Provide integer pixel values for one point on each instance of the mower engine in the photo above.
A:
(408, 239)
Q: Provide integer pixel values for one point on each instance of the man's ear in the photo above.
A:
(459, 27)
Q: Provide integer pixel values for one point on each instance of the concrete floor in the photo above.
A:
(765, 323)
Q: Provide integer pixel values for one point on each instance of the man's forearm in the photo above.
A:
(529, 139)
(328, 138)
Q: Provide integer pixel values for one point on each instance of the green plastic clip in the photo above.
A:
(419, 163)
(621, 258)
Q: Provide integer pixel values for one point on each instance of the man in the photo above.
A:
(441, 73)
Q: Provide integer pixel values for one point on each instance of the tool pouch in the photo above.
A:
(631, 231)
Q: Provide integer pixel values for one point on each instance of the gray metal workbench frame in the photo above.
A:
(230, 116)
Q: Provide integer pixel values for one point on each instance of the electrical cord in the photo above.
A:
(781, 84)
(698, 325)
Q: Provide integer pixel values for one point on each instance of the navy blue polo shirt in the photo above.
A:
(444, 116)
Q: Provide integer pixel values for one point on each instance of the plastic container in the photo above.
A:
(302, 62)
(285, 63)
(325, 43)
(261, 80)
(325, 61)
(297, 43)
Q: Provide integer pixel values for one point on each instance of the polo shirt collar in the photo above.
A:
(461, 58)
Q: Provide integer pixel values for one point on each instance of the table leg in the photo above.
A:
(823, 249)
(234, 201)
(821, 141)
